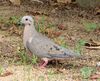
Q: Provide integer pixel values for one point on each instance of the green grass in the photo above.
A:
(13, 20)
(63, 43)
(24, 58)
(1, 19)
(50, 25)
(41, 24)
(86, 72)
(90, 26)
(34, 59)
(79, 46)
(1, 69)
(41, 78)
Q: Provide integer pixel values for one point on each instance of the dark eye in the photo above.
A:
(26, 19)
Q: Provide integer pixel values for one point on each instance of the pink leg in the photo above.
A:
(45, 62)
(41, 63)
(30, 54)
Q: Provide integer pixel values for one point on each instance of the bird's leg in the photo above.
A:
(41, 63)
(44, 63)
(29, 53)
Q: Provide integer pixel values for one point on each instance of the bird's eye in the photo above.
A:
(26, 19)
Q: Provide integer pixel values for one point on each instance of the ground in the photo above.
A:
(70, 23)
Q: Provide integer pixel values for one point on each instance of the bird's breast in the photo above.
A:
(27, 34)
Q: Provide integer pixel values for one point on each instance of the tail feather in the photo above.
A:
(65, 55)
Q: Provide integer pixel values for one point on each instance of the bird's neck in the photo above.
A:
(30, 29)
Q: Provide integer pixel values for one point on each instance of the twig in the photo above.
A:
(95, 48)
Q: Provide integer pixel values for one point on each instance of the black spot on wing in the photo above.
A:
(51, 48)
(65, 53)
(56, 47)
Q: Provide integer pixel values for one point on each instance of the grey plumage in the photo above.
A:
(40, 45)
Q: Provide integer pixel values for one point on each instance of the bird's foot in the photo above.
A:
(44, 63)
(29, 54)
(41, 63)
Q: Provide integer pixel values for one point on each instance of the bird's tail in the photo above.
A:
(67, 54)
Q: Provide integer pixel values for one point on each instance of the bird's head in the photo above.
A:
(27, 20)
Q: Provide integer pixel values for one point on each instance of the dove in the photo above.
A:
(42, 46)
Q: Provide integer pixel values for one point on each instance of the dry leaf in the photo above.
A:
(7, 73)
(15, 30)
(61, 27)
(58, 41)
(95, 42)
(15, 2)
(95, 76)
(64, 1)
(60, 70)
(37, 1)
(98, 12)
(49, 32)
(2, 27)
(93, 45)
(57, 33)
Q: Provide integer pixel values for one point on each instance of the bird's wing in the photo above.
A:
(57, 51)
(35, 49)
